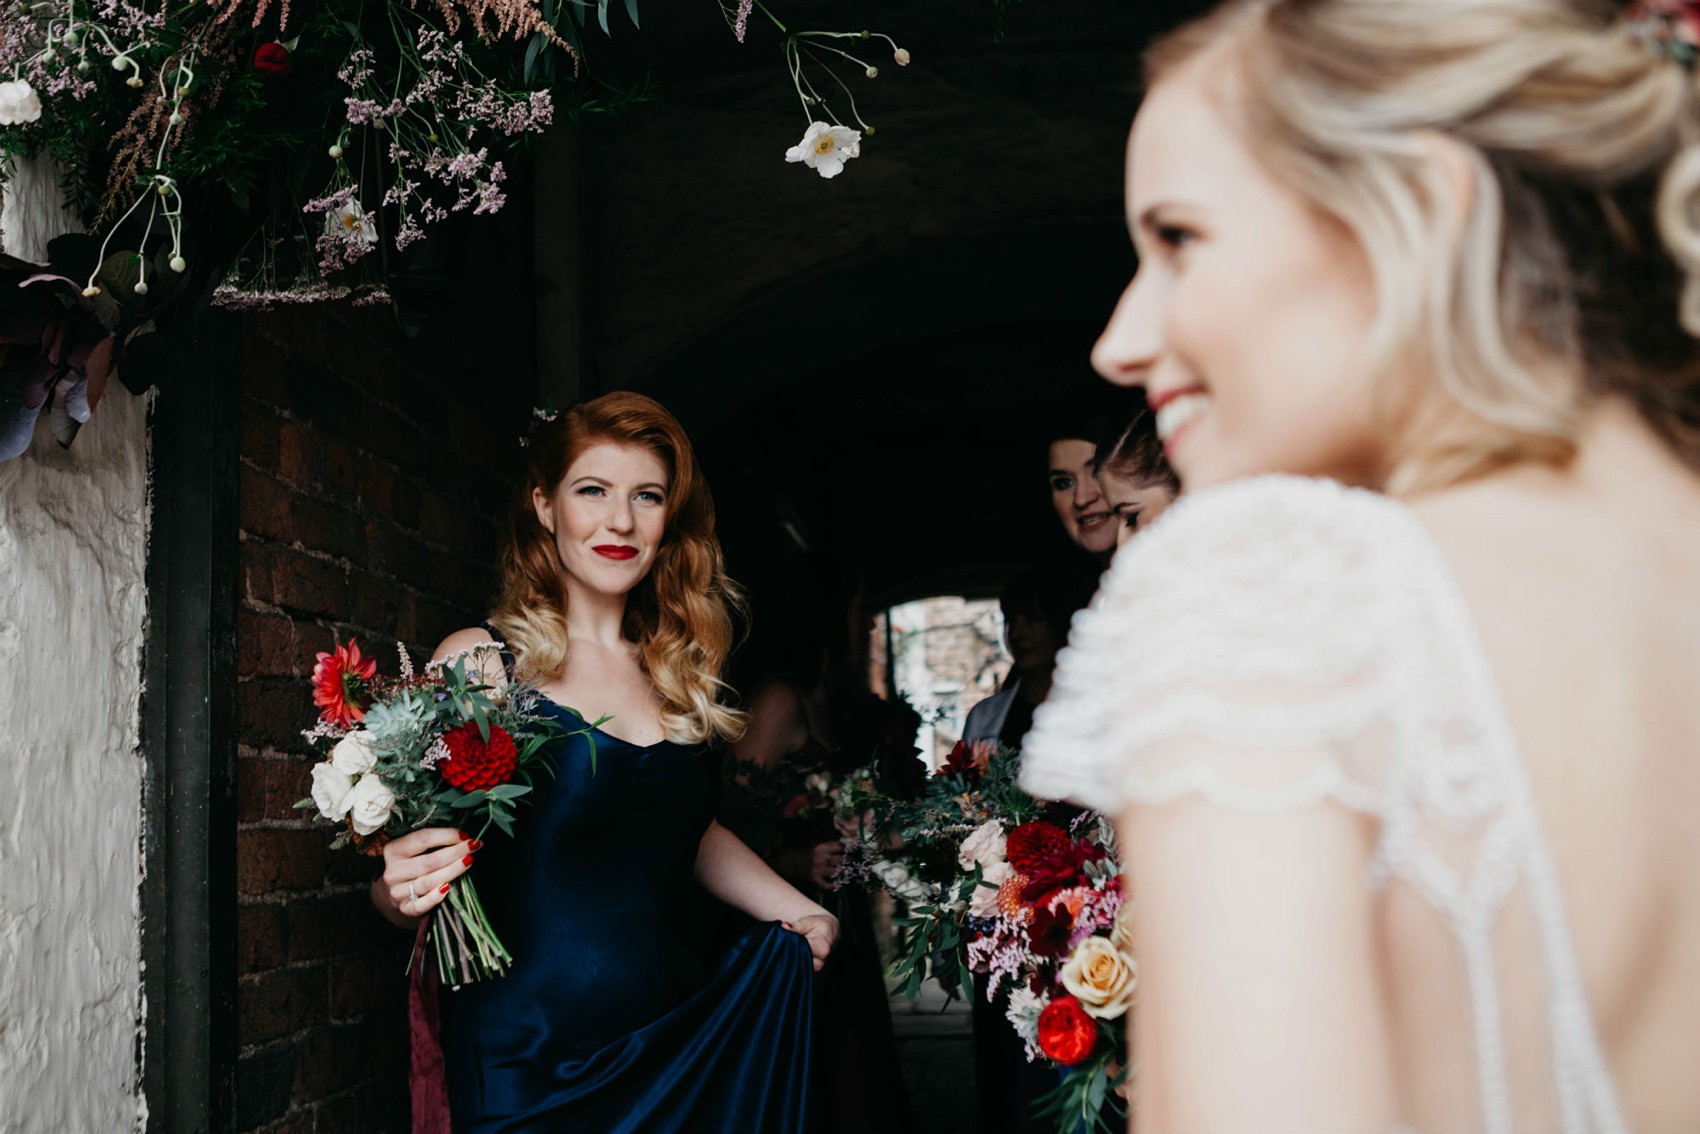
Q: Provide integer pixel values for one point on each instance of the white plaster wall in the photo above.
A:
(73, 532)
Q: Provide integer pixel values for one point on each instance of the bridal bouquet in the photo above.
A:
(995, 888)
(435, 749)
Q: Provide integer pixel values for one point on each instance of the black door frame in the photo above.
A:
(186, 1052)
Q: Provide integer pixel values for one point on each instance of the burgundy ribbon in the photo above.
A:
(429, 1089)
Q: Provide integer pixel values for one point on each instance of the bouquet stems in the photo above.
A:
(465, 946)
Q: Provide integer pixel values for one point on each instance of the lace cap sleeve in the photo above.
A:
(1244, 648)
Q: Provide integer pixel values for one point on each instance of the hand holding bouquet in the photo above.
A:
(437, 749)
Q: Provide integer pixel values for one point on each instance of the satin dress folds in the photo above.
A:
(617, 1017)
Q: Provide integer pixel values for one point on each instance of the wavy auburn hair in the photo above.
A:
(680, 614)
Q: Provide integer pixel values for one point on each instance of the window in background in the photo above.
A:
(943, 655)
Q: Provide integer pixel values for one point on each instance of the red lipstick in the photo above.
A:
(615, 551)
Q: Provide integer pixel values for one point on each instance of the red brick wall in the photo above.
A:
(374, 473)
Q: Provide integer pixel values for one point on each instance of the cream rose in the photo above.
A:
(1101, 977)
(353, 755)
(330, 791)
(985, 900)
(985, 846)
(369, 804)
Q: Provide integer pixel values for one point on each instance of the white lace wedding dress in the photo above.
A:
(1282, 643)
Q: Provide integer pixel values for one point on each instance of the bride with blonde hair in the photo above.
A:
(1395, 707)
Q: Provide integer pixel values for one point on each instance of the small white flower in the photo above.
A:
(330, 791)
(900, 882)
(370, 804)
(902, 57)
(353, 755)
(826, 148)
(18, 103)
(352, 221)
(818, 782)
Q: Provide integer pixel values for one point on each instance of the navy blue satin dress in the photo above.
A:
(616, 1016)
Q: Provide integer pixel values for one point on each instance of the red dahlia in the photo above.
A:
(1066, 1033)
(1032, 843)
(1050, 930)
(342, 685)
(960, 762)
(475, 764)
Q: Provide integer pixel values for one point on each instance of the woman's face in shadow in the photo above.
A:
(1032, 646)
(1134, 503)
(1075, 496)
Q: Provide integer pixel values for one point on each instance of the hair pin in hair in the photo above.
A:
(539, 414)
(1669, 27)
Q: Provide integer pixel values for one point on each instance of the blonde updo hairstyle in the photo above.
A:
(1581, 240)
(680, 614)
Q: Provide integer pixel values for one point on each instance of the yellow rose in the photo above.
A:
(1101, 977)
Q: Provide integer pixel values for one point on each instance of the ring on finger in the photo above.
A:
(411, 896)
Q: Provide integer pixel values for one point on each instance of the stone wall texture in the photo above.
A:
(73, 604)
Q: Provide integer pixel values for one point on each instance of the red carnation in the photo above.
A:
(475, 764)
(273, 59)
(342, 685)
(1032, 843)
(1066, 1033)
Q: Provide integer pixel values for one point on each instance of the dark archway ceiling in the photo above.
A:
(865, 362)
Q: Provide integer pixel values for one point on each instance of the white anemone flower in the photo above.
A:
(353, 222)
(825, 148)
(19, 104)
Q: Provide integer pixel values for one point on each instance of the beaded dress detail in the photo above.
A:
(1282, 643)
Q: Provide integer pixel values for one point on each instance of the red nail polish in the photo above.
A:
(467, 861)
(475, 844)
(463, 836)
(443, 889)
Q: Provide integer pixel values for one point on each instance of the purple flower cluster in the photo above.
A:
(432, 117)
(33, 47)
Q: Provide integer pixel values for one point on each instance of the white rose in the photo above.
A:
(353, 755)
(18, 103)
(985, 846)
(1101, 977)
(369, 804)
(985, 900)
(330, 790)
(900, 882)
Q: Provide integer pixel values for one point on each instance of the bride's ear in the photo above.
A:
(1451, 175)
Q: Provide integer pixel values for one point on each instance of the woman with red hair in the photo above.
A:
(616, 606)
